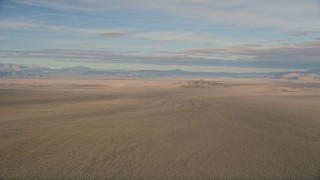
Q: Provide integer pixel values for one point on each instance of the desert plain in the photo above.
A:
(159, 129)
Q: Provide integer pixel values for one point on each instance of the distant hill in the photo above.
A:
(75, 69)
(33, 71)
(312, 74)
(313, 71)
(300, 76)
(21, 71)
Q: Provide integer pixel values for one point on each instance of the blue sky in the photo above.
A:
(193, 35)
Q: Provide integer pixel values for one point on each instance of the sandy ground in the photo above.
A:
(238, 128)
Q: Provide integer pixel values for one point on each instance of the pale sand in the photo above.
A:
(157, 129)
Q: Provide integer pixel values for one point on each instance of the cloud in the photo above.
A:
(303, 33)
(112, 34)
(9, 6)
(88, 44)
(288, 55)
(15, 24)
(291, 14)
(293, 55)
(174, 36)
(58, 4)
(34, 25)
(299, 33)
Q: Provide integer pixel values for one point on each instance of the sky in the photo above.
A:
(194, 35)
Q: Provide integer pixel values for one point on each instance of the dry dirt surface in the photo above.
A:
(198, 84)
(148, 129)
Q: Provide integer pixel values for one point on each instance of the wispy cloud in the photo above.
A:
(14, 24)
(176, 36)
(189, 32)
(169, 36)
(290, 55)
(34, 25)
(112, 34)
(299, 33)
(301, 54)
(303, 33)
(58, 4)
(286, 13)
(9, 6)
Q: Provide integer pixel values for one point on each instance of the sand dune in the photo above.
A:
(155, 129)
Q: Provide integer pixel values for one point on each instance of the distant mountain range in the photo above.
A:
(23, 71)
(300, 76)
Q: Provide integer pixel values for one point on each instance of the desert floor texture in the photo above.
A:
(228, 128)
